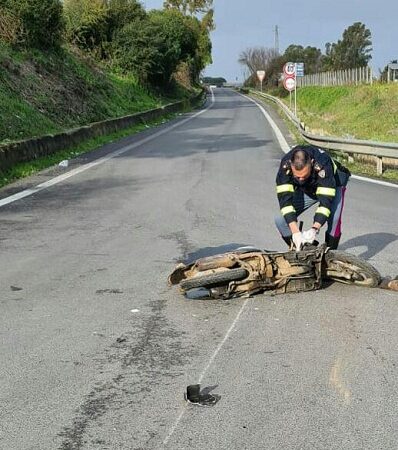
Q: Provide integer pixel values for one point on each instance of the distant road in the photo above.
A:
(97, 350)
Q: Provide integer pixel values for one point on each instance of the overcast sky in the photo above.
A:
(250, 23)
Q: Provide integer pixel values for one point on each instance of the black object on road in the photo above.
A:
(201, 397)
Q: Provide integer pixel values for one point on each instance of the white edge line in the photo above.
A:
(371, 180)
(83, 168)
(210, 362)
(285, 146)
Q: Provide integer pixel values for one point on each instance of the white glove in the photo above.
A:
(297, 240)
(309, 236)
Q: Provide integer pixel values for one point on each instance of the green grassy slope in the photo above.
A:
(43, 93)
(362, 112)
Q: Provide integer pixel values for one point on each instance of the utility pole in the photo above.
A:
(276, 46)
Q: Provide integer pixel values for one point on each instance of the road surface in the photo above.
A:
(97, 350)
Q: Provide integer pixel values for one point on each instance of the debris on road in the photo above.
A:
(109, 291)
(15, 288)
(64, 164)
(200, 397)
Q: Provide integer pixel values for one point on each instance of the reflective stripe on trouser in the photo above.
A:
(301, 202)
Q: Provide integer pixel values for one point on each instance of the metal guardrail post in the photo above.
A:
(379, 165)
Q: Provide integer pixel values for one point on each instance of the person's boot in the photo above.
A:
(288, 240)
(331, 241)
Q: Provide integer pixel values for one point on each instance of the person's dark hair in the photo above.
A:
(300, 159)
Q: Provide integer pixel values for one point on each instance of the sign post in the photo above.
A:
(299, 73)
(291, 72)
(289, 80)
(261, 76)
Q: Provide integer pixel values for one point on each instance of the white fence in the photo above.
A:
(359, 75)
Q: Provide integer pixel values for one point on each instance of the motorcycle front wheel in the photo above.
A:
(214, 279)
(350, 269)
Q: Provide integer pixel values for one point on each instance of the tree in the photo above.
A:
(310, 56)
(121, 13)
(218, 81)
(153, 48)
(42, 22)
(92, 24)
(262, 58)
(353, 50)
(86, 23)
(191, 7)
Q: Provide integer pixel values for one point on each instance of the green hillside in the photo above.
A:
(46, 92)
(362, 112)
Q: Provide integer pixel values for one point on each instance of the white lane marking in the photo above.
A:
(212, 358)
(73, 172)
(281, 139)
(370, 180)
(285, 146)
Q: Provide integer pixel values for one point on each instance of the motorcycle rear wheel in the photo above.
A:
(214, 279)
(346, 268)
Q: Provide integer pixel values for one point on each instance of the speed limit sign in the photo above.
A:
(289, 69)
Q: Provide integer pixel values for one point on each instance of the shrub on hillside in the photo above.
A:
(153, 48)
(121, 13)
(92, 24)
(10, 27)
(42, 23)
(85, 22)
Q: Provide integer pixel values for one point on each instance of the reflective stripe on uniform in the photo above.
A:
(287, 210)
(334, 166)
(331, 192)
(284, 188)
(323, 210)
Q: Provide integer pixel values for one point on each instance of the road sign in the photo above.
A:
(261, 75)
(289, 69)
(299, 69)
(289, 84)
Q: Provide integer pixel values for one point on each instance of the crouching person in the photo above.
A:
(307, 176)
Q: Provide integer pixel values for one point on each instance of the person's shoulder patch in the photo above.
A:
(322, 173)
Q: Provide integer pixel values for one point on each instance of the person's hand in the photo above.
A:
(309, 236)
(297, 239)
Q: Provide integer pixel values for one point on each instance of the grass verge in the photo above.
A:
(26, 169)
(356, 167)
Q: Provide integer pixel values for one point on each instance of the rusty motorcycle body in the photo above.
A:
(247, 271)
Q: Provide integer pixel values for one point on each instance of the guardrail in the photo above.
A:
(378, 150)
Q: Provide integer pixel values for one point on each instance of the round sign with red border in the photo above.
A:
(289, 84)
(289, 69)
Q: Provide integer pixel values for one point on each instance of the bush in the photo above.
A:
(10, 27)
(155, 47)
(92, 24)
(41, 21)
(86, 23)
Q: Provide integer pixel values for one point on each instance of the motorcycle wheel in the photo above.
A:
(346, 268)
(214, 279)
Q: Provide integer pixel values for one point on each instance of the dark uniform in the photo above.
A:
(326, 186)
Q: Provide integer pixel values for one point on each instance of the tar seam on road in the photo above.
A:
(285, 146)
(60, 178)
(210, 362)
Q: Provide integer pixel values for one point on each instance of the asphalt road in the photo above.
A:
(97, 350)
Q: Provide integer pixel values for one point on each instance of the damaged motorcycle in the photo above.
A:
(248, 271)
